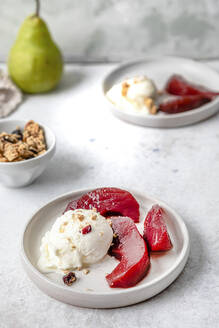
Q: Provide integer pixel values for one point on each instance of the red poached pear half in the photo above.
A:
(155, 230)
(179, 86)
(131, 250)
(108, 202)
(183, 103)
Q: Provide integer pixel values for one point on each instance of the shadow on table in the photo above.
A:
(191, 272)
(62, 171)
(70, 80)
(196, 262)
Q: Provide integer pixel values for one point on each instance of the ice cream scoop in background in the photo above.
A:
(77, 238)
(135, 94)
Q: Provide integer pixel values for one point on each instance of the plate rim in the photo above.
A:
(156, 117)
(183, 256)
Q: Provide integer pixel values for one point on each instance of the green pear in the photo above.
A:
(35, 62)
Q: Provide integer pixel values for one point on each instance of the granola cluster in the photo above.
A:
(22, 145)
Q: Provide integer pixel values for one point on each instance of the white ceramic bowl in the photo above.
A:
(160, 69)
(19, 174)
(92, 290)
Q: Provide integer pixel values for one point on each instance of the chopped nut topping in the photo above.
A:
(160, 92)
(86, 271)
(125, 87)
(94, 209)
(154, 110)
(115, 235)
(149, 102)
(110, 222)
(61, 229)
(94, 217)
(101, 233)
(80, 217)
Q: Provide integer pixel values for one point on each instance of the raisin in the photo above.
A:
(8, 139)
(69, 278)
(18, 133)
(33, 151)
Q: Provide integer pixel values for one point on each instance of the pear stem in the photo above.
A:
(37, 7)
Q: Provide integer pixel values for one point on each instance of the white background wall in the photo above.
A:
(120, 29)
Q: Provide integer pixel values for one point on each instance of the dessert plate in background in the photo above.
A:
(159, 70)
(92, 290)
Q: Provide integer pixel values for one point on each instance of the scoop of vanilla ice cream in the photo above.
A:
(67, 246)
(141, 87)
(131, 94)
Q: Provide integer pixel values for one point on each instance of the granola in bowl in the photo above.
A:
(22, 145)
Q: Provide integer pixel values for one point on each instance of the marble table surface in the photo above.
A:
(179, 166)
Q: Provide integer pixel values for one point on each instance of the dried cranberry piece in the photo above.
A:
(86, 229)
(69, 278)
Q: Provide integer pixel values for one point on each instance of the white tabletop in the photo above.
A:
(179, 166)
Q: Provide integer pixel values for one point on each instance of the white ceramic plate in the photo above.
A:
(160, 69)
(92, 290)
